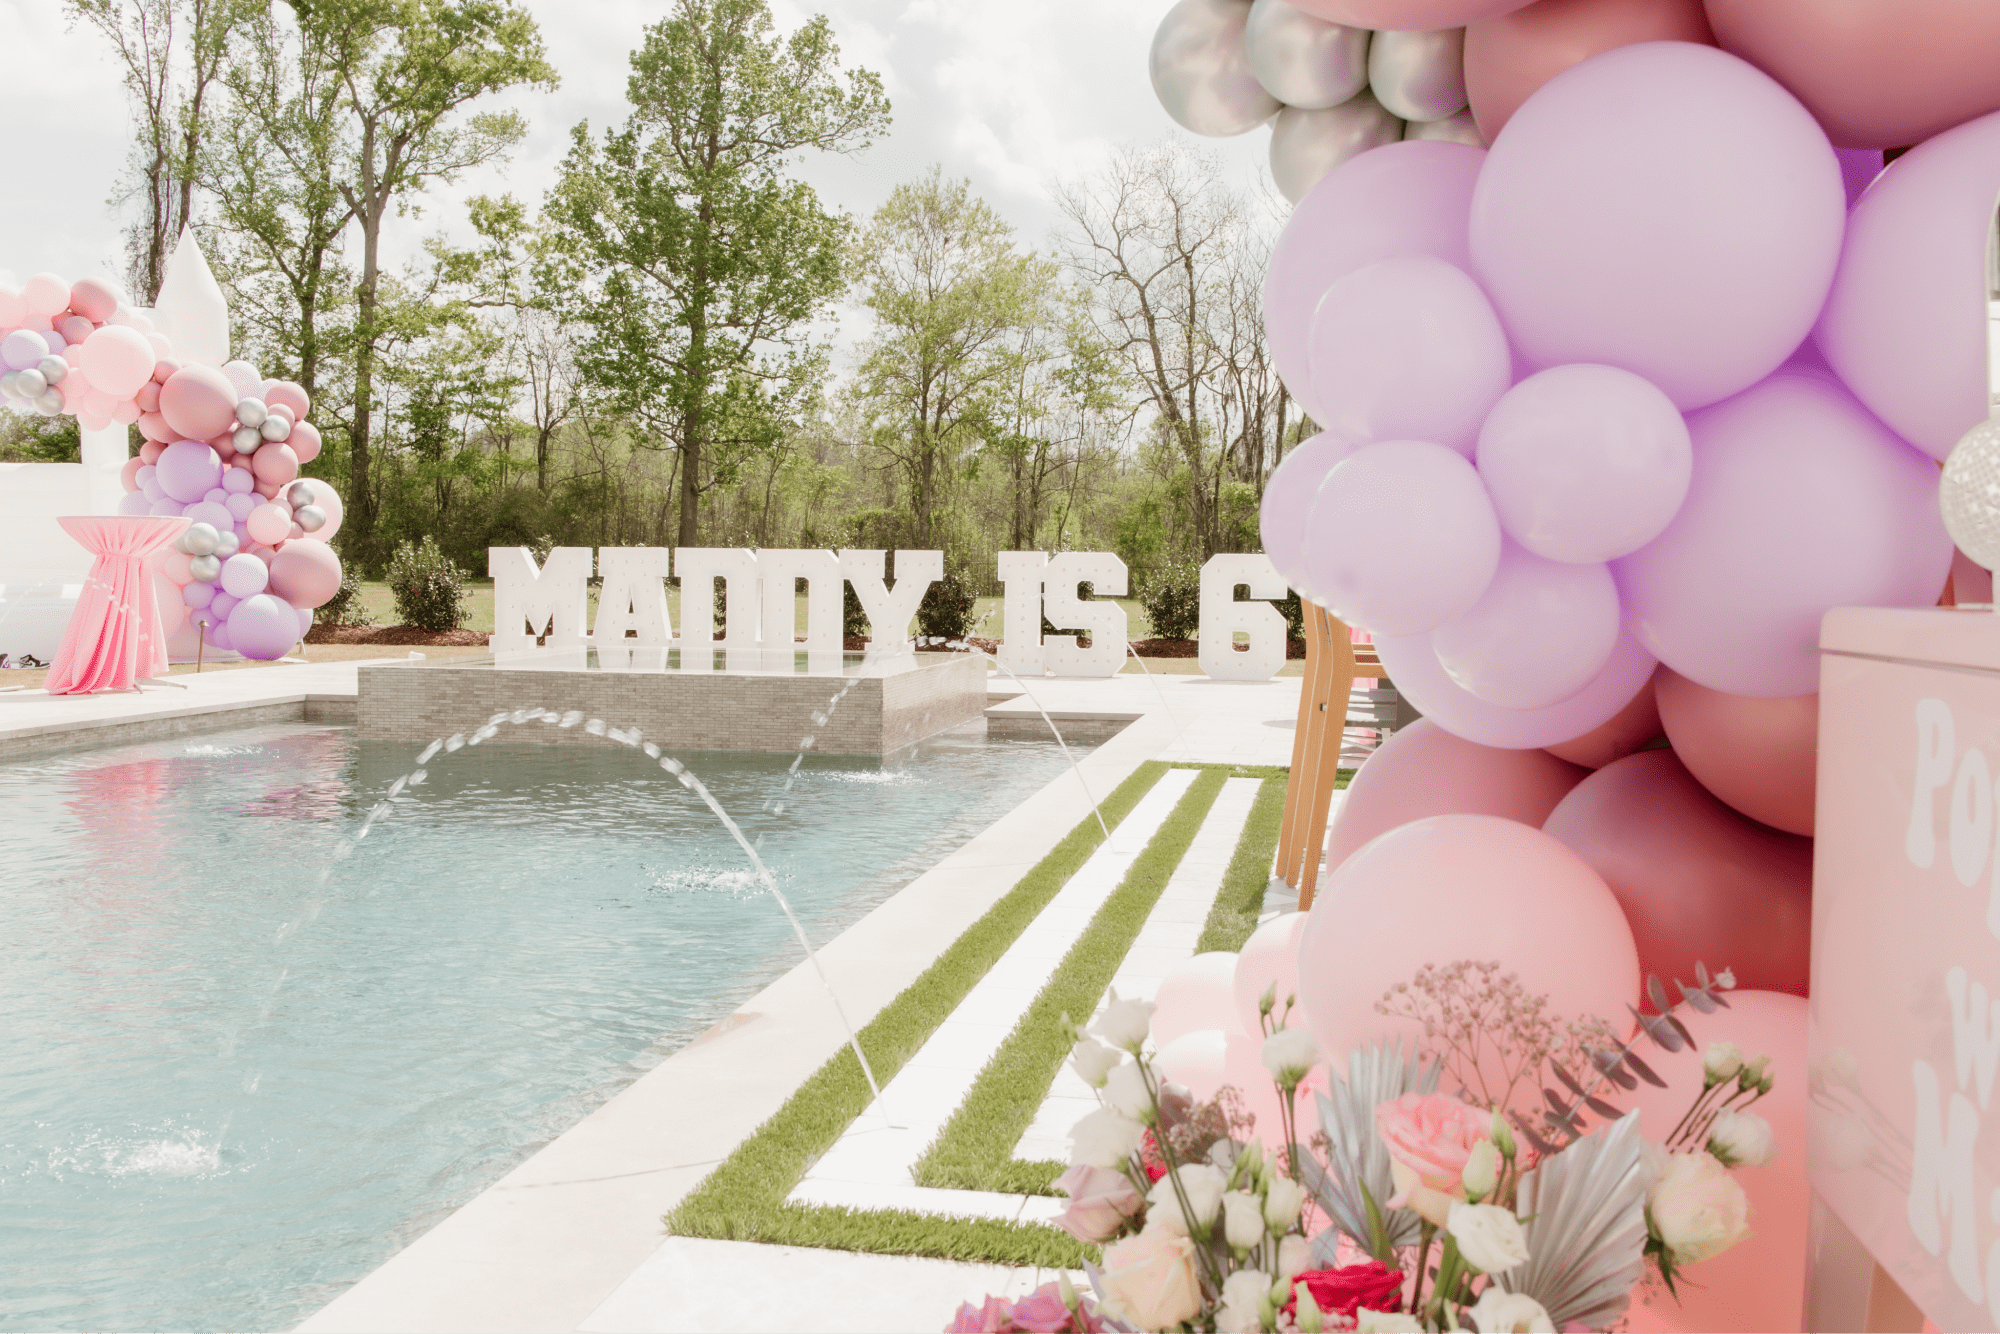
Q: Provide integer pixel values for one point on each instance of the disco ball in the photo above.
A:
(1969, 493)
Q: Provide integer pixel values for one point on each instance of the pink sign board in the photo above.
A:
(1905, 1007)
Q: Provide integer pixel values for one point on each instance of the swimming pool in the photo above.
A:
(228, 1091)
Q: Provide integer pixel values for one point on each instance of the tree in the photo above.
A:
(696, 263)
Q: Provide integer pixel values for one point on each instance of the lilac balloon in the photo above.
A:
(197, 594)
(210, 513)
(264, 626)
(149, 487)
(22, 349)
(1801, 502)
(1585, 463)
(243, 574)
(1663, 207)
(305, 620)
(1288, 499)
(1401, 538)
(240, 504)
(1401, 199)
(1415, 669)
(218, 635)
(135, 502)
(188, 470)
(1542, 631)
(215, 495)
(165, 507)
(1858, 169)
(239, 481)
(1407, 349)
(1905, 324)
(223, 603)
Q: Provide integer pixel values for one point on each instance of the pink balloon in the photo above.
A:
(147, 397)
(1401, 538)
(128, 476)
(1903, 327)
(1757, 755)
(329, 502)
(1540, 633)
(263, 627)
(1243, 1069)
(1270, 958)
(1288, 500)
(1407, 349)
(1632, 728)
(1196, 1060)
(289, 395)
(74, 329)
(304, 441)
(46, 295)
(12, 311)
(1801, 502)
(1664, 208)
(1756, 1283)
(149, 453)
(1408, 15)
(1407, 198)
(1455, 887)
(305, 574)
(1509, 57)
(167, 596)
(1195, 994)
(1422, 679)
(175, 567)
(188, 470)
(165, 370)
(275, 464)
(199, 402)
(1585, 463)
(1698, 882)
(268, 524)
(118, 360)
(94, 299)
(1423, 770)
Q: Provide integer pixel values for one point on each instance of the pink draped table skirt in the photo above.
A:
(115, 637)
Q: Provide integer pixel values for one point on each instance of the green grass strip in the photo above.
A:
(1241, 900)
(744, 1198)
(975, 1150)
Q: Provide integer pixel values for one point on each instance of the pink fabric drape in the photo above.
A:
(114, 635)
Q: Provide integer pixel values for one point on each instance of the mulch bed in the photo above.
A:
(1187, 648)
(397, 636)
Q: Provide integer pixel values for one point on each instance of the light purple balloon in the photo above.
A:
(1584, 463)
(1663, 207)
(1540, 633)
(1401, 538)
(1407, 349)
(1801, 502)
(188, 470)
(243, 575)
(1905, 324)
(22, 349)
(135, 503)
(223, 602)
(218, 636)
(210, 513)
(166, 507)
(1407, 198)
(305, 620)
(264, 626)
(215, 495)
(240, 504)
(1423, 680)
(1288, 499)
(197, 594)
(238, 481)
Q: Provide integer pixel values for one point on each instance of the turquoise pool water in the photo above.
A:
(227, 1091)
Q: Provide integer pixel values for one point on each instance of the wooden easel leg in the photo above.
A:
(1295, 785)
(1336, 683)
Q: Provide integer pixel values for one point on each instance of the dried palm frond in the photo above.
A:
(1584, 1213)
(1357, 1174)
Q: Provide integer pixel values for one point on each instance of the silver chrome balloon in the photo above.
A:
(311, 518)
(199, 539)
(1201, 73)
(49, 402)
(10, 384)
(205, 569)
(251, 411)
(300, 493)
(1419, 75)
(1456, 129)
(246, 439)
(227, 544)
(53, 369)
(31, 382)
(1304, 61)
(275, 429)
(1306, 145)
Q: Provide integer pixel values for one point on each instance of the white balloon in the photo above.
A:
(1305, 61)
(1419, 75)
(249, 381)
(1201, 71)
(1306, 145)
(1459, 128)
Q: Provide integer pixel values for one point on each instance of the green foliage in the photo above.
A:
(853, 620)
(1171, 596)
(428, 586)
(345, 607)
(946, 610)
(29, 437)
(1294, 612)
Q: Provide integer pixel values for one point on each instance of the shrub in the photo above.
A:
(345, 607)
(853, 620)
(1294, 613)
(946, 611)
(429, 588)
(1171, 596)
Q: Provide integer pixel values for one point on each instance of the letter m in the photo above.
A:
(1941, 1184)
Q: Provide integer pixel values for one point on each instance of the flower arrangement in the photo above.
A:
(1409, 1208)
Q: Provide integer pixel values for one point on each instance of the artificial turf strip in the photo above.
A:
(1234, 914)
(743, 1199)
(975, 1150)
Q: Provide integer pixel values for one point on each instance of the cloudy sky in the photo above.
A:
(1010, 93)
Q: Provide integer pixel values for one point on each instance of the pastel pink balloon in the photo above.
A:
(1759, 756)
(45, 295)
(290, 395)
(164, 371)
(1243, 1069)
(1407, 349)
(263, 627)
(1401, 538)
(1424, 770)
(175, 567)
(198, 401)
(275, 464)
(73, 328)
(94, 299)
(1409, 15)
(1455, 887)
(1408, 198)
(330, 503)
(128, 476)
(1632, 728)
(188, 470)
(268, 524)
(1196, 1060)
(1801, 502)
(1269, 959)
(1422, 679)
(1584, 463)
(1196, 993)
(167, 597)
(304, 441)
(1903, 326)
(1665, 208)
(1288, 500)
(1509, 57)
(305, 574)
(12, 310)
(1539, 634)
(125, 413)
(117, 359)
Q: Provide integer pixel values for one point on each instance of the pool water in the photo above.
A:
(228, 1090)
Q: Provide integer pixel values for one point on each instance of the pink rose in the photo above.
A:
(1429, 1138)
(992, 1317)
(1101, 1202)
(1149, 1280)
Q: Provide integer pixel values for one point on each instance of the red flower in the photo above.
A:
(1151, 1158)
(1345, 1290)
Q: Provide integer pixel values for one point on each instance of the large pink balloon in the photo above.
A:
(1632, 728)
(1269, 959)
(94, 299)
(1407, 15)
(1757, 1283)
(1801, 502)
(118, 360)
(1757, 755)
(1414, 667)
(1585, 463)
(275, 464)
(1665, 208)
(1904, 326)
(1407, 198)
(1196, 993)
(1288, 499)
(1401, 538)
(1407, 349)
(198, 401)
(1197, 1060)
(1509, 57)
(1458, 887)
(1540, 634)
(305, 574)
(1698, 882)
(1243, 1069)
(1423, 770)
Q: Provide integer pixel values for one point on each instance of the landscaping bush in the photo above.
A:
(853, 620)
(1171, 596)
(429, 589)
(1294, 613)
(345, 607)
(946, 611)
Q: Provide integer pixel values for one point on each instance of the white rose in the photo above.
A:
(1203, 1185)
(1125, 1092)
(1124, 1023)
(1482, 1170)
(1742, 1139)
(1721, 1061)
(1385, 1322)
(1498, 1312)
(1242, 1220)
(1243, 1302)
(1294, 1257)
(1697, 1209)
(1104, 1139)
(1489, 1237)
(1289, 1054)
(1093, 1061)
(1283, 1199)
